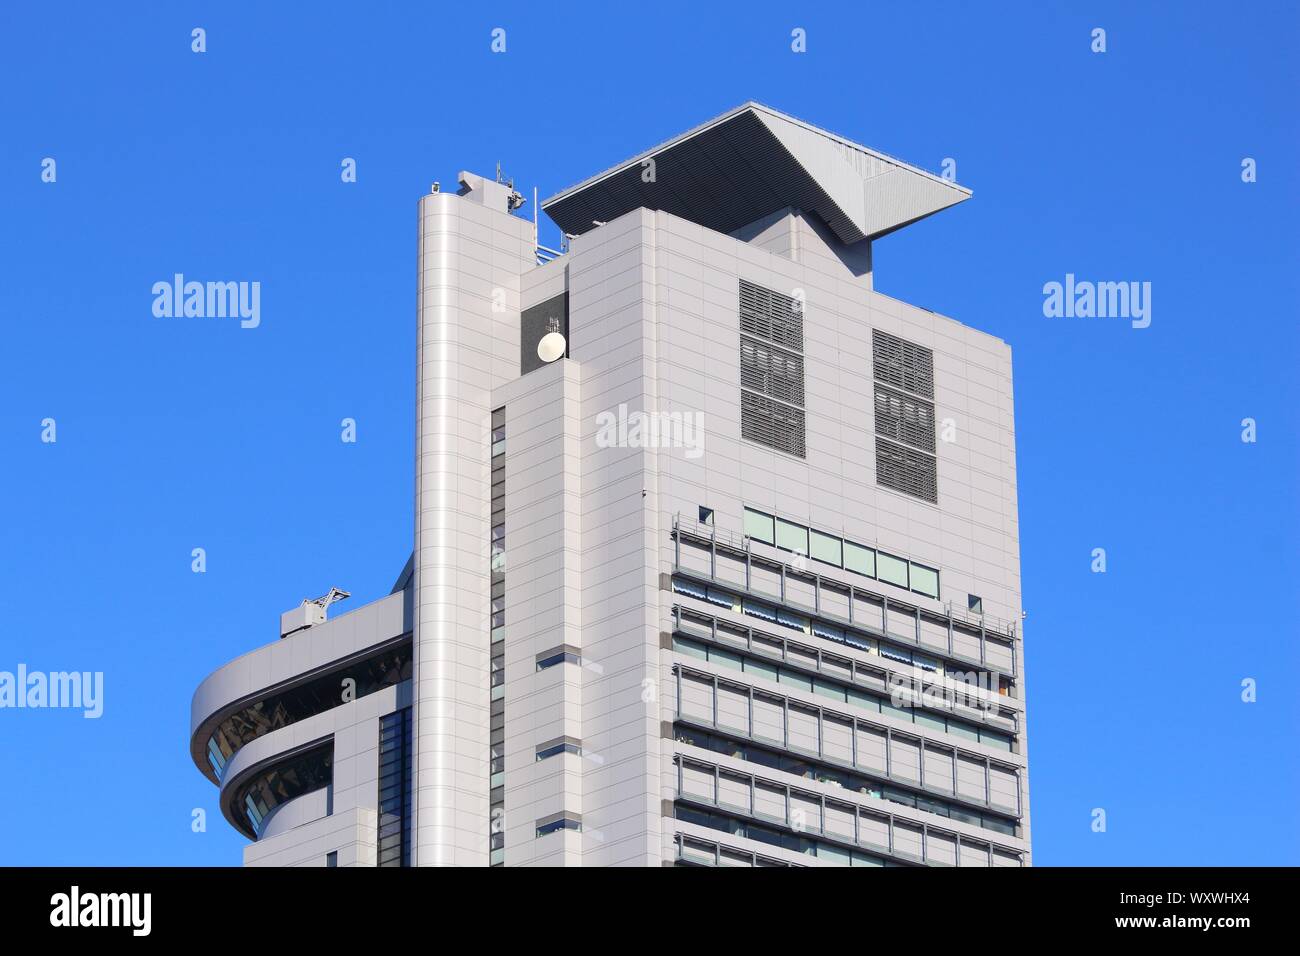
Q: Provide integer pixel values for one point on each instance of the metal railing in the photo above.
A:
(742, 543)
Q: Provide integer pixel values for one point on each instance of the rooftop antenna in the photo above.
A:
(515, 200)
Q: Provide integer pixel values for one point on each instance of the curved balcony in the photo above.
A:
(296, 678)
(256, 793)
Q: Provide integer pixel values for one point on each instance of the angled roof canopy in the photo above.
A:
(751, 162)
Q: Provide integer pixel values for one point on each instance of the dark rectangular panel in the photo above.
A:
(534, 322)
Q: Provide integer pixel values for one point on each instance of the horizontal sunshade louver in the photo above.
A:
(907, 470)
(771, 423)
(904, 418)
(772, 371)
(771, 315)
(902, 364)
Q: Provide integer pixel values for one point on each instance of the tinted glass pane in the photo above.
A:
(759, 526)
(760, 669)
(925, 580)
(680, 645)
(827, 548)
(891, 569)
(792, 537)
(859, 559)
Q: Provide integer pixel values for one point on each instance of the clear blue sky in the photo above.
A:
(176, 434)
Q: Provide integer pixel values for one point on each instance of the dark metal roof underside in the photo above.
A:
(750, 163)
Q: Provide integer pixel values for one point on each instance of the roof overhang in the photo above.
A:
(754, 161)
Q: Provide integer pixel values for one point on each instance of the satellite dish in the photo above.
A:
(551, 347)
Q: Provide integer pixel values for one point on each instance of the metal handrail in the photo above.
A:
(742, 543)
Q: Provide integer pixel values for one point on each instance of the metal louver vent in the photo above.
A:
(771, 315)
(770, 370)
(912, 467)
(904, 418)
(907, 470)
(771, 423)
(902, 364)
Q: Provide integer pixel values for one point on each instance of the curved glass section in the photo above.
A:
(389, 666)
(281, 783)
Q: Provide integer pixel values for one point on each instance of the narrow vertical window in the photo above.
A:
(497, 645)
(394, 835)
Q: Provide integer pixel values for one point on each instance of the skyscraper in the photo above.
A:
(716, 555)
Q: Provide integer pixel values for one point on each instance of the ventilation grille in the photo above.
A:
(907, 470)
(771, 315)
(771, 423)
(905, 419)
(902, 364)
(772, 371)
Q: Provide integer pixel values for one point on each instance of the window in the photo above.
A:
(497, 634)
(561, 745)
(797, 621)
(892, 570)
(794, 679)
(682, 586)
(332, 858)
(762, 669)
(690, 648)
(726, 658)
(974, 604)
(389, 665)
(759, 526)
(963, 730)
(564, 654)
(827, 548)
(769, 799)
(925, 662)
(309, 771)
(722, 599)
(791, 537)
(859, 559)
(827, 689)
(925, 580)
(564, 823)
(394, 775)
(706, 515)
(991, 738)
(895, 654)
(828, 631)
